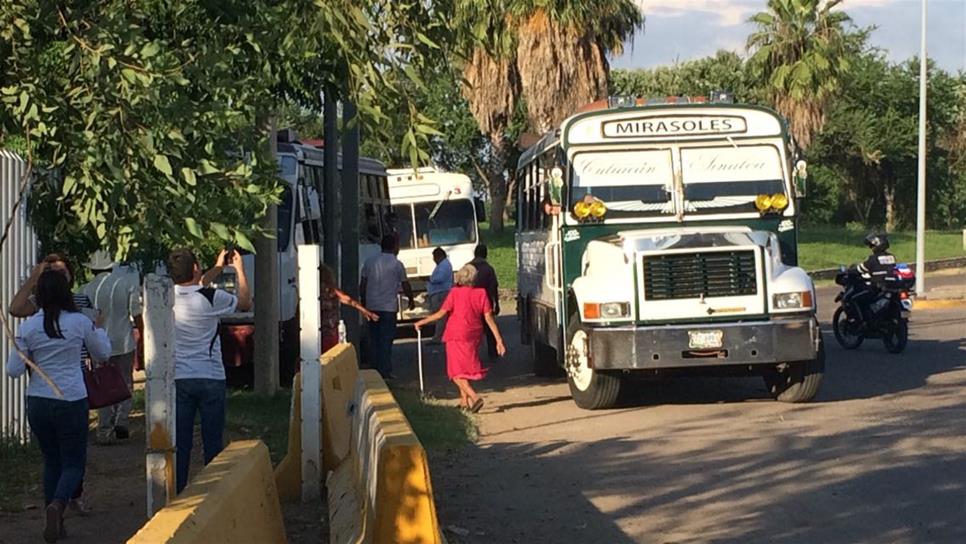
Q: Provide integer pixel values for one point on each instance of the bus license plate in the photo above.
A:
(705, 339)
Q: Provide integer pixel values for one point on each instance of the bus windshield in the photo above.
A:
(632, 183)
(440, 223)
(727, 179)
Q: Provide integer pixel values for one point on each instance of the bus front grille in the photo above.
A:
(693, 275)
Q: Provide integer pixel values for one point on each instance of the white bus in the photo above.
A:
(299, 222)
(661, 237)
(433, 209)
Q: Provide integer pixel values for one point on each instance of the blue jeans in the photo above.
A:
(381, 336)
(60, 427)
(205, 396)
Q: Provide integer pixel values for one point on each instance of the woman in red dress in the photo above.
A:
(330, 298)
(468, 308)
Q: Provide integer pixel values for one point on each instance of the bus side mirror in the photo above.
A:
(480, 209)
(801, 178)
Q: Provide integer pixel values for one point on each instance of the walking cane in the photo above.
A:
(419, 351)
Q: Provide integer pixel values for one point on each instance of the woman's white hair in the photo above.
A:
(466, 276)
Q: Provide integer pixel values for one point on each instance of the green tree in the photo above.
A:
(551, 56)
(800, 51)
(699, 77)
(150, 118)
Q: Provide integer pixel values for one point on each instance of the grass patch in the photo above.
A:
(502, 253)
(823, 246)
(251, 416)
(439, 426)
(20, 469)
(829, 246)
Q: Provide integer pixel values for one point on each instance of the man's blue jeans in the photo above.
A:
(60, 427)
(207, 397)
(382, 333)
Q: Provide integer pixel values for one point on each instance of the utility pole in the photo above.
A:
(265, 361)
(921, 199)
(330, 197)
(350, 216)
(159, 391)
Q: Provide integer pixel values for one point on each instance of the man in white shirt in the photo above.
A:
(199, 374)
(382, 277)
(116, 294)
(440, 282)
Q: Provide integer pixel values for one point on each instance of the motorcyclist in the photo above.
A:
(878, 269)
(881, 265)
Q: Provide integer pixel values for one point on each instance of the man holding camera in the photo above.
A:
(199, 374)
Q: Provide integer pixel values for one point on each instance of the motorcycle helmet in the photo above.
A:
(878, 243)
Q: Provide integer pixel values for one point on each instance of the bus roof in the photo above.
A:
(427, 184)
(664, 122)
(315, 155)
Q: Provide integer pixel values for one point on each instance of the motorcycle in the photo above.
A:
(874, 311)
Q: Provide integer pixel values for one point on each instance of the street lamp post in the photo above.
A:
(921, 199)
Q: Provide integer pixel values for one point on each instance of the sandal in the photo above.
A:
(477, 405)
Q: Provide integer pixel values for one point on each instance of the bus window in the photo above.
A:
(452, 223)
(369, 226)
(404, 225)
(285, 213)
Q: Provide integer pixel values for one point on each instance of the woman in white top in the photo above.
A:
(52, 338)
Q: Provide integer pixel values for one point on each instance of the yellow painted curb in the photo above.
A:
(939, 303)
(231, 500)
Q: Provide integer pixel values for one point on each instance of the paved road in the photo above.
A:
(880, 456)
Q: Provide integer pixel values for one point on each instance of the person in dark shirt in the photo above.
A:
(486, 278)
(878, 269)
(881, 265)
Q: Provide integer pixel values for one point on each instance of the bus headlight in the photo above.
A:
(598, 209)
(792, 301)
(581, 210)
(606, 310)
(763, 203)
(779, 201)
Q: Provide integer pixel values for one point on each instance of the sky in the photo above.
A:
(680, 30)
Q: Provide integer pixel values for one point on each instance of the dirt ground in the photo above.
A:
(114, 488)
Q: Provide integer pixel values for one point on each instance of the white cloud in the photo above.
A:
(728, 12)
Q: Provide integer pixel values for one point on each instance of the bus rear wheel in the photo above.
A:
(591, 389)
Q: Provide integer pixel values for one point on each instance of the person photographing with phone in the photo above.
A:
(199, 374)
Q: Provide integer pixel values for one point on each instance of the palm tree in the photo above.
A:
(551, 55)
(801, 50)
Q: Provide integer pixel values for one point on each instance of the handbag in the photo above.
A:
(105, 385)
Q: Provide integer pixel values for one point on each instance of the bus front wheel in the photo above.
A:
(591, 389)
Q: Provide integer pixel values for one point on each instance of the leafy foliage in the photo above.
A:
(150, 119)
(863, 162)
(801, 49)
(547, 56)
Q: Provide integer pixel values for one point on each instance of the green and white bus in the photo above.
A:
(659, 237)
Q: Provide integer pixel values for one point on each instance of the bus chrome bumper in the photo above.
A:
(751, 343)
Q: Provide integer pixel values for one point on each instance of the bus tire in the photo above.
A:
(591, 389)
(798, 381)
(545, 361)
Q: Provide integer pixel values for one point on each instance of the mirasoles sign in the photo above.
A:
(679, 125)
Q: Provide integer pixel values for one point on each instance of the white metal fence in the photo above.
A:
(18, 254)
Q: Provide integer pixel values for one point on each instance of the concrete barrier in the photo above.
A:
(288, 473)
(232, 500)
(339, 371)
(382, 492)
